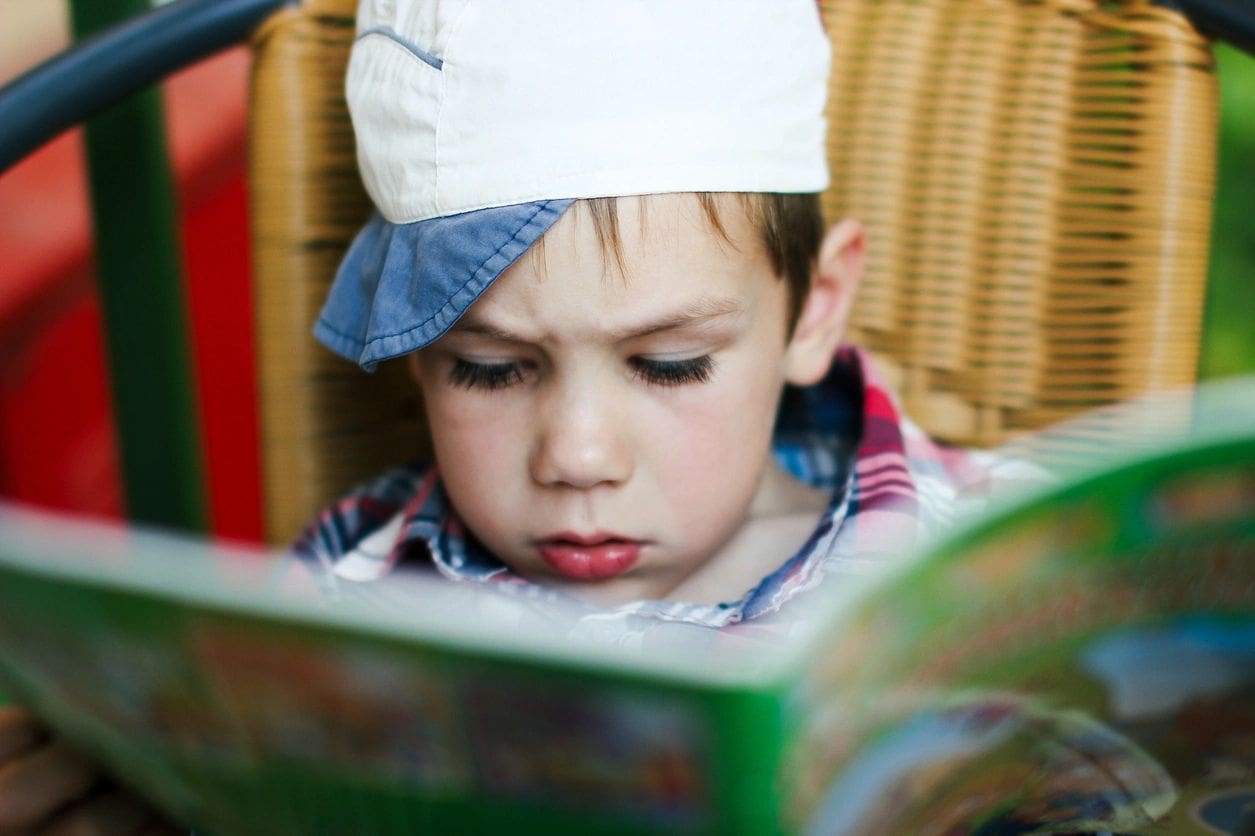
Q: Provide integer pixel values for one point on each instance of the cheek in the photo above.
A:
(715, 447)
(475, 441)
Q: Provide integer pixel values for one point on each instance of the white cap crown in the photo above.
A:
(467, 104)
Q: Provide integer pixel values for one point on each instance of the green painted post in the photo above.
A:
(141, 292)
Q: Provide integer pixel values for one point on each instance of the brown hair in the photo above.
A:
(790, 226)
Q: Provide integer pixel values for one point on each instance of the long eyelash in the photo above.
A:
(674, 372)
(484, 375)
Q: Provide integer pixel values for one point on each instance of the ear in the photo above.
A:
(826, 309)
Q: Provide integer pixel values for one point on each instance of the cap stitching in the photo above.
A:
(409, 46)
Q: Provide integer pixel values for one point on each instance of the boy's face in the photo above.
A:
(609, 430)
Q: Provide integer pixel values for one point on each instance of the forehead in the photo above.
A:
(663, 252)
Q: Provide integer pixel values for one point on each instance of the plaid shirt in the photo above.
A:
(890, 485)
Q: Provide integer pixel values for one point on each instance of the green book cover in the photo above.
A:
(1078, 659)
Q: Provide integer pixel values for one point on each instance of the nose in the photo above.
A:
(581, 441)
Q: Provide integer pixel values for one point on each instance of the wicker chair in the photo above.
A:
(1036, 177)
(325, 424)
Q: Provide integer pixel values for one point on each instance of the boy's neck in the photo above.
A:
(781, 517)
(783, 494)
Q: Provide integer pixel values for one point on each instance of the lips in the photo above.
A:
(594, 557)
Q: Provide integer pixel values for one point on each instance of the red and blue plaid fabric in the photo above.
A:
(889, 485)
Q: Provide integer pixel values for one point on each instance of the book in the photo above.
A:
(1079, 658)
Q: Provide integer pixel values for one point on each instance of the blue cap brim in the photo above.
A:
(401, 286)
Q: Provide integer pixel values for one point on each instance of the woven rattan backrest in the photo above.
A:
(1037, 180)
(325, 424)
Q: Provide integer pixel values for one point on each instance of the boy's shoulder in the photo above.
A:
(354, 537)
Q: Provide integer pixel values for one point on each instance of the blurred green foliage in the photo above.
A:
(1229, 323)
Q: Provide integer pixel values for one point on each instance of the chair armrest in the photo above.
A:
(103, 69)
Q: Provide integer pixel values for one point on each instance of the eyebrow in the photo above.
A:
(698, 313)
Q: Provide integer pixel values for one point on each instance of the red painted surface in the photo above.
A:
(56, 429)
(221, 306)
(57, 445)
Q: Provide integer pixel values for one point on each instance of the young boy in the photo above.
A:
(598, 247)
(599, 250)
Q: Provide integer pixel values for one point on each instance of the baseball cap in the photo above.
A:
(479, 123)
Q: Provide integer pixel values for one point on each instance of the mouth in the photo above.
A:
(592, 557)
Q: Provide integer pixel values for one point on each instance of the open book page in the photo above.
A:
(244, 705)
(1083, 660)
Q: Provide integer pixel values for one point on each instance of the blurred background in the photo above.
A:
(1229, 327)
(57, 444)
(58, 438)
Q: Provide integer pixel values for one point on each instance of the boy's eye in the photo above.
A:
(488, 376)
(673, 372)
